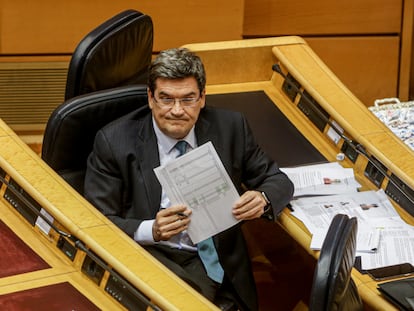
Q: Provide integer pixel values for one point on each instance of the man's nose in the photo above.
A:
(177, 108)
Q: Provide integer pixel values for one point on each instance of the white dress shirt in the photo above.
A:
(167, 152)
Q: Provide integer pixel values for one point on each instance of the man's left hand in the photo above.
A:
(250, 205)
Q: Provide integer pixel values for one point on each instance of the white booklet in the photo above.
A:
(367, 239)
(199, 180)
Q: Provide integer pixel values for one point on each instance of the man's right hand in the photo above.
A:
(170, 221)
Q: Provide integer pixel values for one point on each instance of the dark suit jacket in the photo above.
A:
(121, 183)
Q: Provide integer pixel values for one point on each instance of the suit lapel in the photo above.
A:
(204, 131)
(148, 157)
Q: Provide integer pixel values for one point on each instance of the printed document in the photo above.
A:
(372, 209)
(199, 180)
(396, 247)
(322, 179)
(367, 240)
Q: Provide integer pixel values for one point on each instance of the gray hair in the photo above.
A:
(177, 63)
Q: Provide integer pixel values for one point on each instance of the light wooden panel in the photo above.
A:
(368, 66)
(74, 215)
(343, 107)
(406, 89)
(50, 27)
(367, 43)
(302, 17)
(240, 60)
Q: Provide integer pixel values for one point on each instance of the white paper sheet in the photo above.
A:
(374, 212)
(322, 179)
(371, 208)
(396, 247)
(199, 180)
(367, 241)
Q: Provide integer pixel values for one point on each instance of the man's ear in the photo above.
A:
(203, 99)
(150, 97)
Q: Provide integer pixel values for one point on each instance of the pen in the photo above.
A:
(181, 214)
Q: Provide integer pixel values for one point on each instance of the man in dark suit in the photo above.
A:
(121, 183)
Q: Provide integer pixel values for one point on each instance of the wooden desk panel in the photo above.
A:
(49, 27)
(345, 33)
(276, 18)
(89, 230)
(298, 60)
(58, 268)
(368, 66)
(49, 297)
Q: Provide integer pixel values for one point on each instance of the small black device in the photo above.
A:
(388, 272)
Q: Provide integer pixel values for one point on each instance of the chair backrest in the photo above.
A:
(333, 287)
(116, 53)
(72, 126)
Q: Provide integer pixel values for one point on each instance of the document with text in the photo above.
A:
(372, 209)
(367, 240)
(396, 247)
(322, 179)
(199, 180)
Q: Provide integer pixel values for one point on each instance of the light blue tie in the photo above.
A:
(206, 249)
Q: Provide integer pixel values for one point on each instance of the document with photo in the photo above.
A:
(371, 208)
(322, 179)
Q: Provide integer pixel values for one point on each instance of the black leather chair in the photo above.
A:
(71, 128)
(116, 53)
(333, 287)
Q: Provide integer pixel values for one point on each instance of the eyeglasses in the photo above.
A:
(169, 102)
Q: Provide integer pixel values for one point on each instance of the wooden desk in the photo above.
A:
(243, 66)
(94, 239)
(232, 67)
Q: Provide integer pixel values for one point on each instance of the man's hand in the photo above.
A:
(249, 206)
(170, 221)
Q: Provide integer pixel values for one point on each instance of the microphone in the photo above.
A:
(277, 68)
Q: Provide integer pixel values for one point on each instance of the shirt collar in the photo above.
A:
(168, 143)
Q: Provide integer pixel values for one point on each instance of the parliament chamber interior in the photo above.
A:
(304, 74)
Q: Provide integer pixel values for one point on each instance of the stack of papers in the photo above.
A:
(383, 238)
(396, 246)
(324, 190)
(322, 179)
(372, 209)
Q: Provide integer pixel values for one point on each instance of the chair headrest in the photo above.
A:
(116, 53)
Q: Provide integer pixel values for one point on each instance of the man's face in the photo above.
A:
(175, 118)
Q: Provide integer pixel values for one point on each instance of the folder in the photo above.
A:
(399, 292)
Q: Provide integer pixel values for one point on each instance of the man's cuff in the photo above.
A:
(143, 235)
